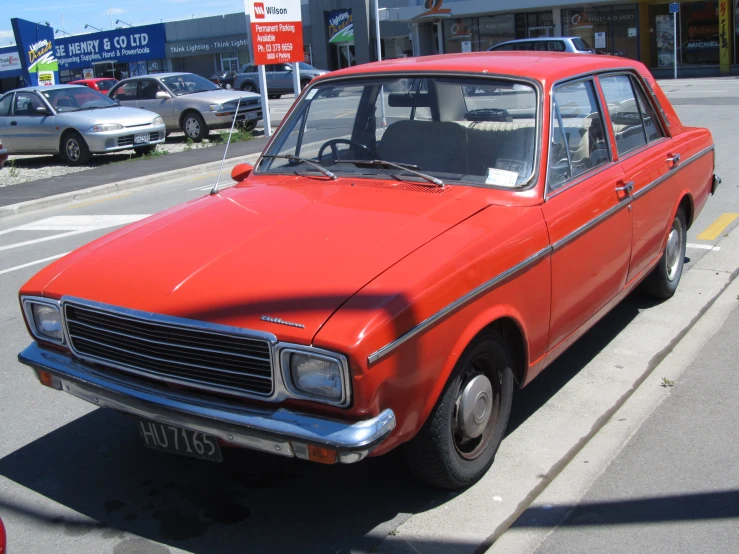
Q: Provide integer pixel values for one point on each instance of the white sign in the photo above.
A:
(46, 78)
(600, 40)
(632, 31)
(273, 11)
(466, 46)
(10, 61)
(88, 73)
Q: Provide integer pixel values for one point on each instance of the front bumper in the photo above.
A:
(278, 431)
(220, 120)
(123, 139)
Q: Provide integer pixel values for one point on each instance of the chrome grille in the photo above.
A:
(172, 352)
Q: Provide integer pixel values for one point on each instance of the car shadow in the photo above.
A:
(98, 467)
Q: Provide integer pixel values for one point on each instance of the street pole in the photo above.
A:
(265, 103)
(296, 78)
(674, 41)
(379, 59)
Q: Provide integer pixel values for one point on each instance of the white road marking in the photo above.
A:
(73, 224)
(693, 91)
(29, 264)
(703, 246)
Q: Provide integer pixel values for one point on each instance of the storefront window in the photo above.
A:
(534, 25)
(609, 29)
(697, 34)
(477, 34)
(230, 61)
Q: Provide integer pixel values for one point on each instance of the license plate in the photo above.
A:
(160, 436)
(143, 137)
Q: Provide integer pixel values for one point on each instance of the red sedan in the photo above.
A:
(420, 237)
(99, 84)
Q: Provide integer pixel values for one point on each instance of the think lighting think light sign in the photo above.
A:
(276, 31)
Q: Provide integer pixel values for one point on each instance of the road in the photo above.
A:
(76, 479)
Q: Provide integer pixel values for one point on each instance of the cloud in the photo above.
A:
(6, 34)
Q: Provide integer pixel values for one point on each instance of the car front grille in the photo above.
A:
(128, 139)
(213, 360)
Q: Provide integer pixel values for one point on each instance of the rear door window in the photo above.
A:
(5, 104)
(625, 115)
(125, 91)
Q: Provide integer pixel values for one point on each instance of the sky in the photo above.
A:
(77, 13)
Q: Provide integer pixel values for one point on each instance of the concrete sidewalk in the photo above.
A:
(112, 173)
(673, 487)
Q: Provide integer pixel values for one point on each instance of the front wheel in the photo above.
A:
(665, 277)
(249, 87)
(194, 127)
(458, 442)
(227, 86)
(74, 149)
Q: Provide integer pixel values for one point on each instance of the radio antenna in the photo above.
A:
(214, 190)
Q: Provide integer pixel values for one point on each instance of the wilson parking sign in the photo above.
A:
(276, 31)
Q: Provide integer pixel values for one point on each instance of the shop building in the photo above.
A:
(10, 68)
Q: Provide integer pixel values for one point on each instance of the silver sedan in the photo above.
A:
(75, 122)
(189, 102)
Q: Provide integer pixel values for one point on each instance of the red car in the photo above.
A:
(99, 84)
(420, 237)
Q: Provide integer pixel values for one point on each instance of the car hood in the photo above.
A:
(294, 252)
(219, 96)
(125, 116)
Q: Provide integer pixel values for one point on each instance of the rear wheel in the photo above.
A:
(275, 96)
(665, 277)
(458, 442)
(249, 87)
(194, 126)
(74, 149)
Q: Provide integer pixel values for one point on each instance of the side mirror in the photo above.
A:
(41, 110)
(241, 172)
(161, 95)
(289, 67)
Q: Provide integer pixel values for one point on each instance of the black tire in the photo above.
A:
(73, 149)
(438, 454)
(662, 282)
(275, 96)
(249, 87)
(249, 125)
(194, 126)
(145, 150)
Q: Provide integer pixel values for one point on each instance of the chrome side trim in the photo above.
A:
(672, 171)
(474, 293)
(564, 241)
(235, 423)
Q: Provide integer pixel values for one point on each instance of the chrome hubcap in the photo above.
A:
(192, 127)
(673, 251)
(475, 407)
(73, 150)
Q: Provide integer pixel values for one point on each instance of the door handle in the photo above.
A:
(674, 159)
(628, 187)
(14, 123)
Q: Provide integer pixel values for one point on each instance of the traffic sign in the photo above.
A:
(276, 31)
(674, 7)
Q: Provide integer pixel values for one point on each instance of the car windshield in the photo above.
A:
(188, 84)
(453, 129)
(74, 99)
(106, 85)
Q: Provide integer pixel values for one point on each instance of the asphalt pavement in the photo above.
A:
(74, 478)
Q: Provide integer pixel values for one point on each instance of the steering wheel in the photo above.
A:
(335, 151)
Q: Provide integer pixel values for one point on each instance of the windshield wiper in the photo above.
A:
(311, 163)
(409, 168)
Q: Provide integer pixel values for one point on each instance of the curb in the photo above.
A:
(115, 187)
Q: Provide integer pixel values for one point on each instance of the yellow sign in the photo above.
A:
(724, 35)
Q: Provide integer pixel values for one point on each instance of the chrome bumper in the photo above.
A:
(279, 431)
(716, 182)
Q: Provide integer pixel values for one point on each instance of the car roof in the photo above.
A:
(537, 39)
(41, 87)
(159, 75)
(540, 66)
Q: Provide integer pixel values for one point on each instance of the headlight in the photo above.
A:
(158, 121)
(45, 319)
(216, 107)
(318, 376)
(102, 127)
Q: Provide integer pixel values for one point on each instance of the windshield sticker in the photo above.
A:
(501, 177)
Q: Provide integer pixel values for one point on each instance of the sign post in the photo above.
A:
(674, 9)
(276, 31)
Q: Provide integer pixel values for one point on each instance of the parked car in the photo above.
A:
(224, 79)
(74, 122)
(279, 78)
(102, 84)
(367, 286)
(573, 45)
(188, 102)
(3, 154)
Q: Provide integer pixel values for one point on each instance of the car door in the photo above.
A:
(646, 157)
(281, 78)
(126, 93)
(5, 104)
(30, 131)
(147, 100)
(587, 216)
